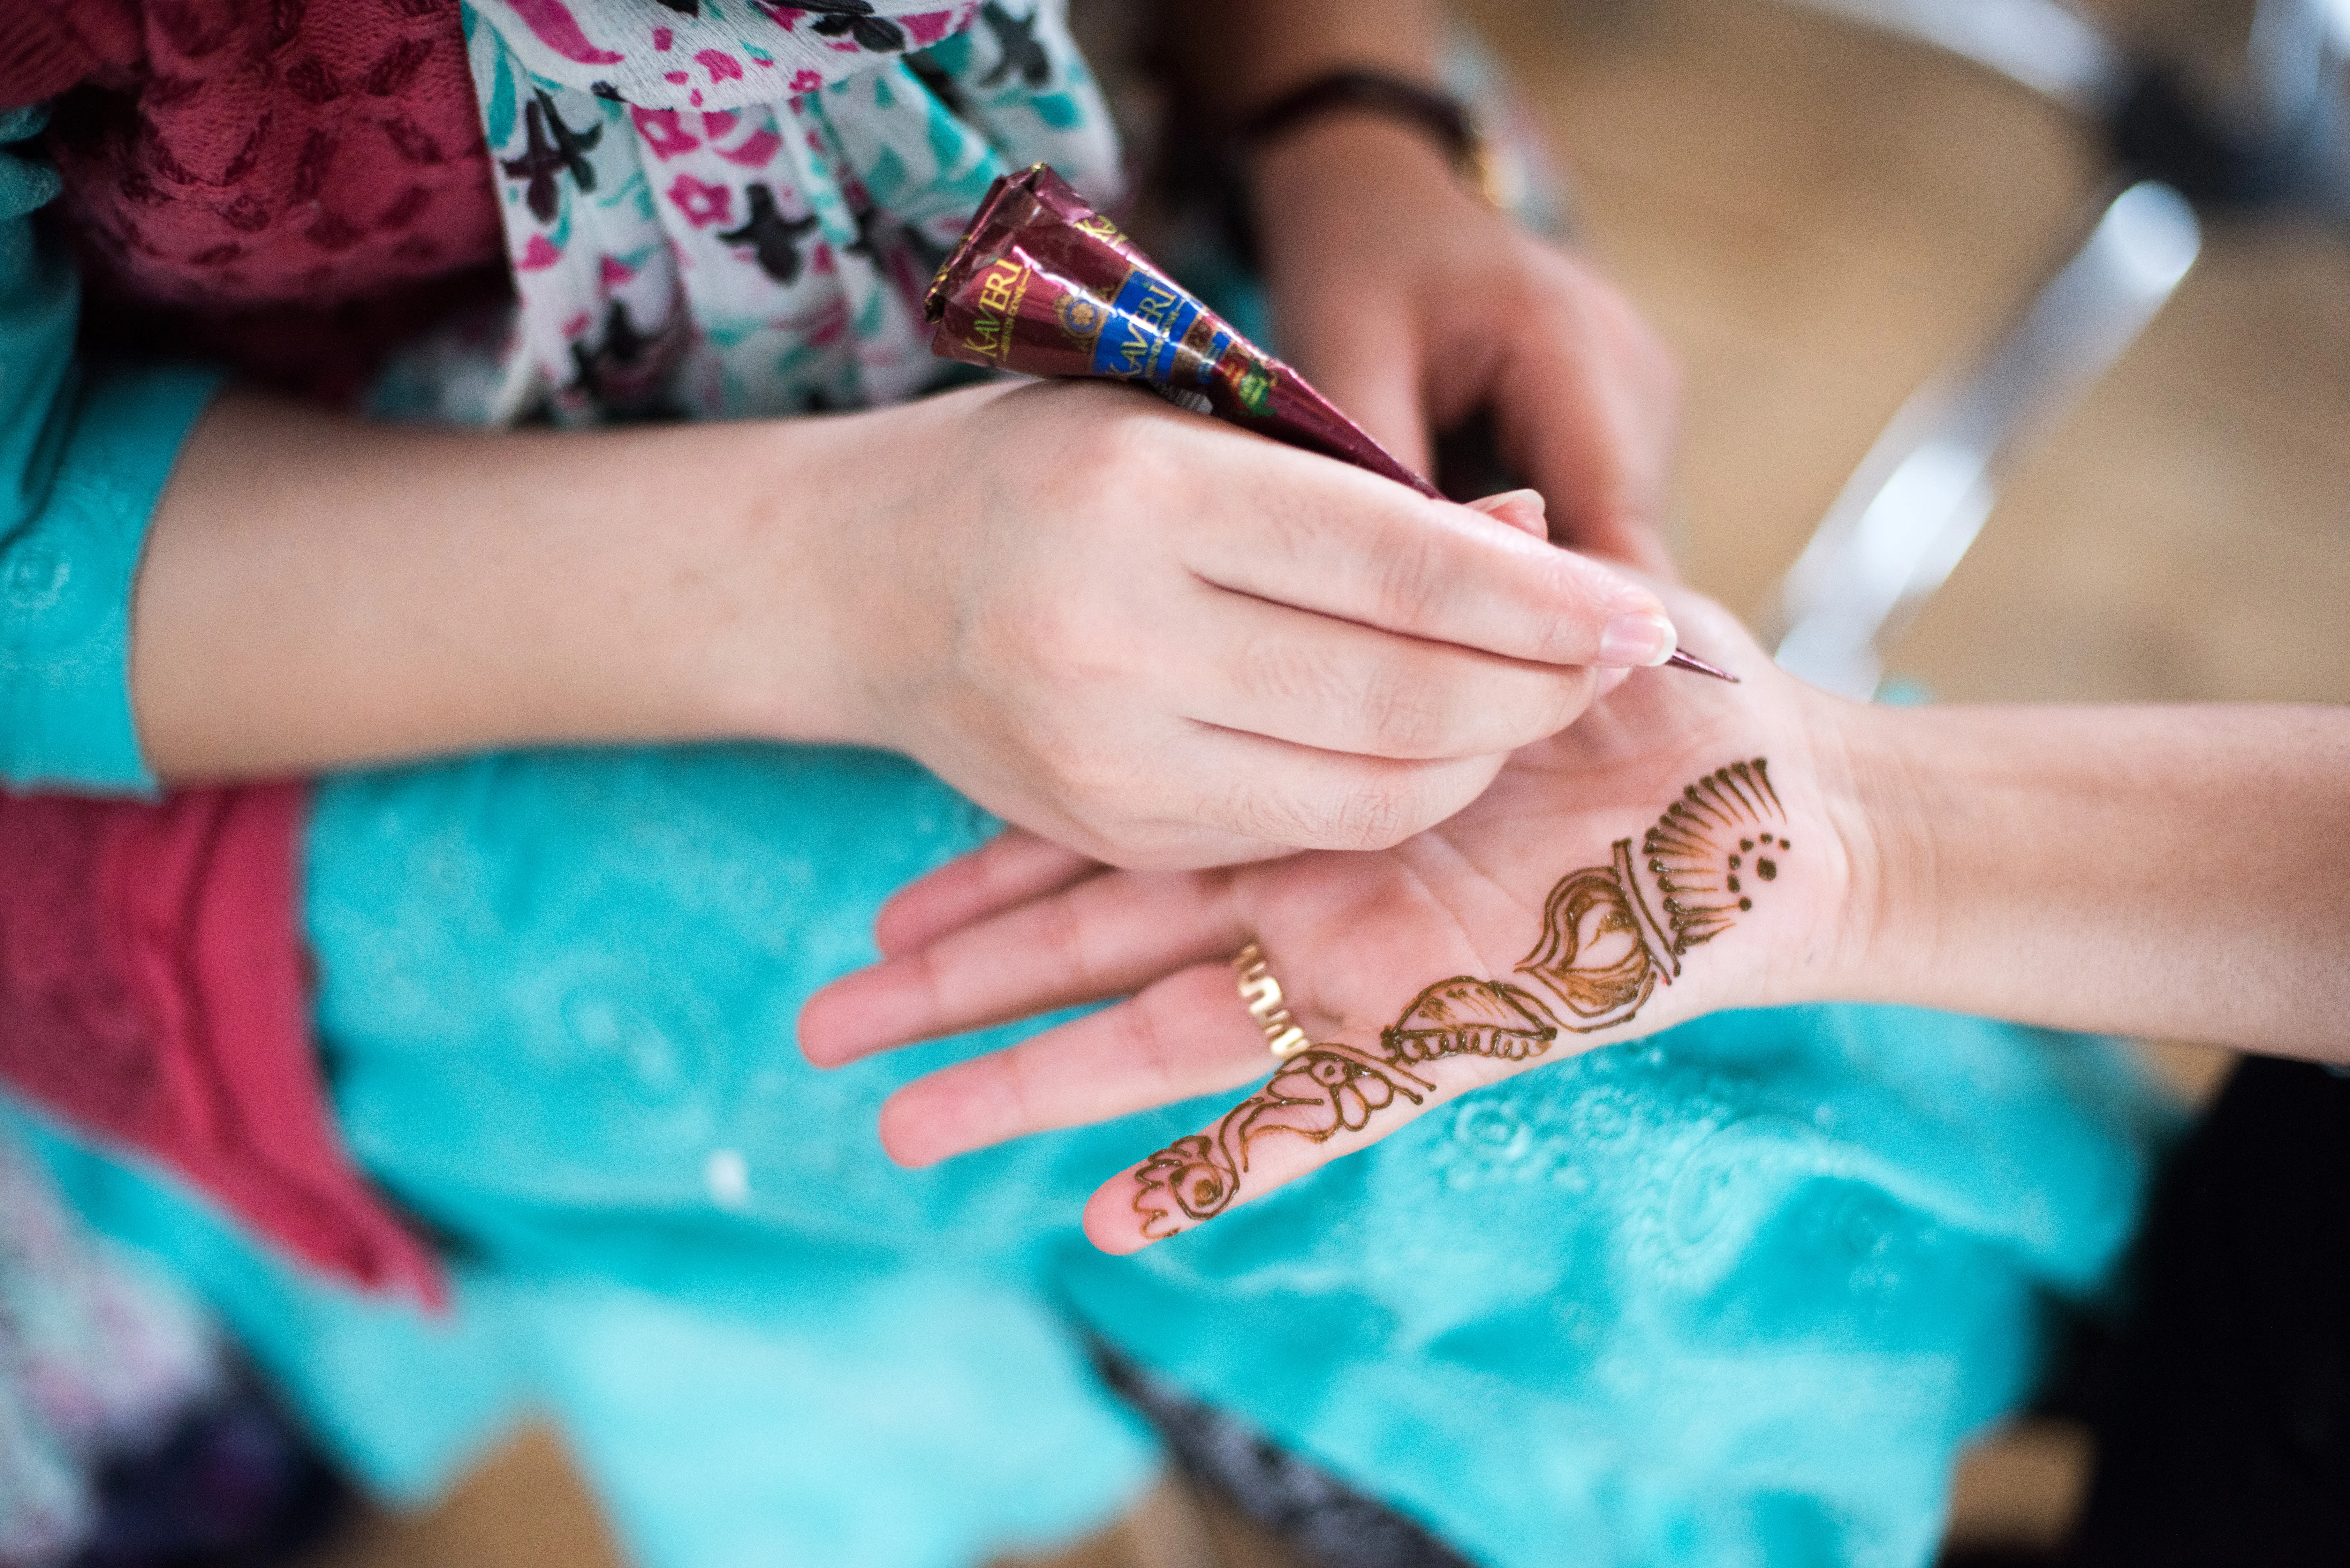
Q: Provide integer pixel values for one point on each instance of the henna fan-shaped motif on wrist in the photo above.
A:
(1602, 953)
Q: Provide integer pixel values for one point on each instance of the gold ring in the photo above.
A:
(1261, 994)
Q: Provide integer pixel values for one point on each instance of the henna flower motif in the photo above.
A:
(1189, 1173)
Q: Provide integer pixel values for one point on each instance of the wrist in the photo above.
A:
(1873, 790)
(1346, 147)
(1312, 194)
(762, 588)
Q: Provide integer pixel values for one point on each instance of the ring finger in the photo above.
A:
(1335, 686)
(1185, 1036)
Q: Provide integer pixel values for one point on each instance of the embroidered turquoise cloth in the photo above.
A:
(1730, 1296)
(83, 457)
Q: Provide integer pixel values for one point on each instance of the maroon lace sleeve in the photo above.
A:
(48, 45)
(151, 993)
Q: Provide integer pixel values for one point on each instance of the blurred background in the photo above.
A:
(1821, 218)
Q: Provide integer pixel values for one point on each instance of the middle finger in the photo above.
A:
(1333, 685)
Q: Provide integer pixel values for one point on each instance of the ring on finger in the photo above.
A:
(1262, 996)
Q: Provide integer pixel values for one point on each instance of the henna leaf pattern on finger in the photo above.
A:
(1603, 951)
(1318, 1093)
(1467, 1017)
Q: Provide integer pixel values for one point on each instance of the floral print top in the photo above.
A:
(721, 208)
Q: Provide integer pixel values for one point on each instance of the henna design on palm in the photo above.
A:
(1602, 953)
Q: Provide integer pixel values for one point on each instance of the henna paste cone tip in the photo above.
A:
(1681, 660)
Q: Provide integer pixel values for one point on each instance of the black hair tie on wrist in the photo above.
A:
(1370, 92)
(1468, 457)
(1443, 117)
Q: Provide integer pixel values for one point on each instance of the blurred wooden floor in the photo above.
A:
(1815, 218)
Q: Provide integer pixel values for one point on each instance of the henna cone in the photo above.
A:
(1043, 284)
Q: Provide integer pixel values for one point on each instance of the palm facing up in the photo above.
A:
(1671, 853)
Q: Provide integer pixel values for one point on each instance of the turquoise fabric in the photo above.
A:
(1730, 1296)
(82, 460)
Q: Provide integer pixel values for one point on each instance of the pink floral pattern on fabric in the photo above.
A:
(713, 242)
(701, 204)
(663, 131)
(550, 21)
(622, 42)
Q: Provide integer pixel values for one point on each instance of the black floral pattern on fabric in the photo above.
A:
(554, 149)
(774, 238)
(854, 19)
(1023, 55)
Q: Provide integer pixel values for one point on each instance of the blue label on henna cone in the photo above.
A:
(1043, 284)
(1148, 319)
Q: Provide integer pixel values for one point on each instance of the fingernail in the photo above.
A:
(1637, 639)
(1489, 504)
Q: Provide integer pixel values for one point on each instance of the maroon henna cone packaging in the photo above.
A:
(1043, 285)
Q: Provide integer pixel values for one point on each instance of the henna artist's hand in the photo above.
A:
(1142, 632)
(1411, 303)
(1170, 643)
(1671, 853)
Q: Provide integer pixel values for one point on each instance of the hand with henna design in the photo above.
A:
(2168, 871)
(1549, 917)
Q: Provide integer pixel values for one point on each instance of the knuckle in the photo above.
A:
(1298, 674)
(1126, 446)
(1058, 639)
(1138, 455)
(1409, 577)
(1378, 813)
(1086, 778)
(1063, 648)
(1405, 714)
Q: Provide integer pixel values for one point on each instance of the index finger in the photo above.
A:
(1342, 543)
(1329, 1101)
